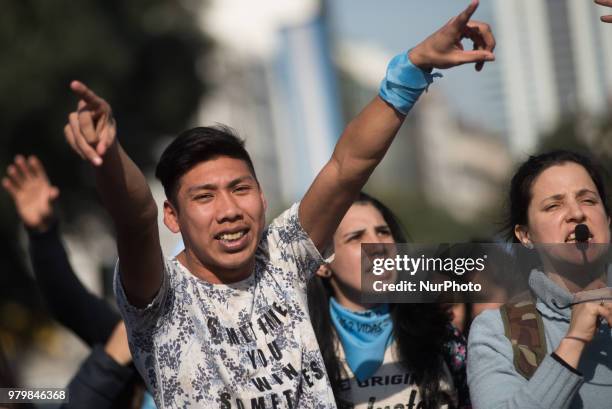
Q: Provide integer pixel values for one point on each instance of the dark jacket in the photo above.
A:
(100, 382)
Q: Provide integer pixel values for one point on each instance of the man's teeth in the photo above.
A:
(232, 236)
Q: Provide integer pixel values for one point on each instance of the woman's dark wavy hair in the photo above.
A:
(519, 195)
(420, 330)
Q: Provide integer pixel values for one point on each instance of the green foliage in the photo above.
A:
(585, 134)
(426, 223)
(144, 56)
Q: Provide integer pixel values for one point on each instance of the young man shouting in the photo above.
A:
(225, 323)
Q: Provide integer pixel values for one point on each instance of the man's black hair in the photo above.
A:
(194, 146)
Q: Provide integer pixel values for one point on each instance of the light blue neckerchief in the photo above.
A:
(148, 402)
(364, 336)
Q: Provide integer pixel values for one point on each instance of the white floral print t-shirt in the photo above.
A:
(246, 345)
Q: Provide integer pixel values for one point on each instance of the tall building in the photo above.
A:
(555, 58)
(275, 84)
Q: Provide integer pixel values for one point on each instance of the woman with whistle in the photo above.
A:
(553, 349)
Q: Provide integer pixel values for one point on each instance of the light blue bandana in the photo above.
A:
(364, 336)
(148, 402)
(404, 83)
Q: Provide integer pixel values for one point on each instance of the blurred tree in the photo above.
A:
(426, 224)
(587, 134)
(145, 57)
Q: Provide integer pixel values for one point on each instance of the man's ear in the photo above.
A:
(324, 271)
(171, 217)
(522, 233)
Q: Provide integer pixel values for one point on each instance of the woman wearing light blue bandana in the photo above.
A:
(377, 355)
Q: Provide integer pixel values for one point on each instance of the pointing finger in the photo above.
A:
(466, 14)
(83, 92)
(87, 95)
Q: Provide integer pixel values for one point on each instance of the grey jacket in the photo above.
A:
(494, 383)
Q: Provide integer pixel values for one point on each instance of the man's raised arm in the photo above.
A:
(91, 132)
(367, 137)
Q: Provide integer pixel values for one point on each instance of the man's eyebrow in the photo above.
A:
(239, 180)
(206, 186)
(212, 186)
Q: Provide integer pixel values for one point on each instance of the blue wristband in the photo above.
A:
(404, 83)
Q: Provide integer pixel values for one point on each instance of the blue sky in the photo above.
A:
(397, 25)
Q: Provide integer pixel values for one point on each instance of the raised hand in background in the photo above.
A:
(27, 183)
